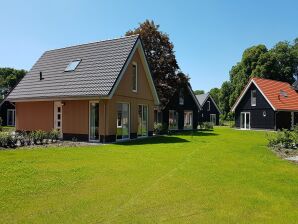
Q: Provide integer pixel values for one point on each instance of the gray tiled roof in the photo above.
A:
(101, 64)
(202, 97)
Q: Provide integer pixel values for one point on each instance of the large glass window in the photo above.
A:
(134, 77)
(173, 120)
(143, 120)
(11, 115)
(94, 121)
(188, 119)
(122, 121)
(253, 98)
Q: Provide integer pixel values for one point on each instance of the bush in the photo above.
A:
(207, 126)
(54, 135)
(160, 128)
(7, 140)
(284, 139)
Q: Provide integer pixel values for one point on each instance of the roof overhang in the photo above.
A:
(245, 90)
(194, 97)
(209, 96)
(138, 46)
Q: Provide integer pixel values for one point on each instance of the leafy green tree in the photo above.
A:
(278, 63)
(161, 58)
(9, 78)
(215, 92)
(199, 92)
(224, 97)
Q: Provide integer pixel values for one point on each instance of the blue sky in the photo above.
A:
(209, 36)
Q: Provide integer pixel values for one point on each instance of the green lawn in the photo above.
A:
(224, 176)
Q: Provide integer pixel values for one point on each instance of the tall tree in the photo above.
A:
(161, 58)
(224, 97)
(9, 77)
(215, 92)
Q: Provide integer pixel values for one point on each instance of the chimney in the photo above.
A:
(40, 76)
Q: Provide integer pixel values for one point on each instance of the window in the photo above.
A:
(72, 65)
(173, 120)
(253, 98)
(187, 119)
(181, 97)
(11, 116)
(213, 119)
(143, 120)
(123, 131)
(134, 77)
(208, 105)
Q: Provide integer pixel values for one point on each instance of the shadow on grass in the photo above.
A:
(197, 133)
(154, 140)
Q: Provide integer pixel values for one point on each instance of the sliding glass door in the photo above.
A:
(143, 120)
(93, 121)
(245, 120)
(123, 131)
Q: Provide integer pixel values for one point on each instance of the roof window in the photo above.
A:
(283, 93)
(72, 65)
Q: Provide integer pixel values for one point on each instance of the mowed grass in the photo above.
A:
(221, 176)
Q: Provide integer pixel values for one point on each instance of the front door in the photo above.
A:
(58, 117)
(245, 120)
(94, 121)
(213, 119)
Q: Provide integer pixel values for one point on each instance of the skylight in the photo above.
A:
(72, 65)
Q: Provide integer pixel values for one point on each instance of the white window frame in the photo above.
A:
(208, 105)
(177, 126)
(56, 105)
(245, 114)
(213, 115)
(147, 120)
(93, 140)
(129, 116)
(191, 127)
(136, 78)
(253, 103)
(13, 117)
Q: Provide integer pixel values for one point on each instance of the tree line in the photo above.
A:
(278, 63)
(9, 77)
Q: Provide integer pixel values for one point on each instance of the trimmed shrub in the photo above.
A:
(284, 139)
(160, 128)
(207, 126)
(7, 140)
(54, 135)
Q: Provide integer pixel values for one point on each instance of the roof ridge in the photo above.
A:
(271, 80)
(93, 42)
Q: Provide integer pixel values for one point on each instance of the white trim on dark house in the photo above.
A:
(245, 90)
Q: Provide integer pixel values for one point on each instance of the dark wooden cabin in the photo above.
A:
(266, 104)
(181, 112)
(210, 111)
(7, 113)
